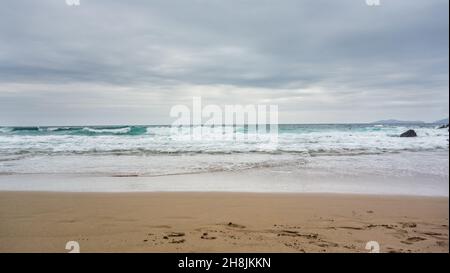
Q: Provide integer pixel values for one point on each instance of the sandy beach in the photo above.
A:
(221, 222)
(224, 127)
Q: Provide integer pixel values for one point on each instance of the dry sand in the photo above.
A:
(221, 222)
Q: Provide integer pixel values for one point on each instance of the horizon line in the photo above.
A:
(313, 123)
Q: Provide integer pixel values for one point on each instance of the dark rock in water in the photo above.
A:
(409, 133)
(443, 126)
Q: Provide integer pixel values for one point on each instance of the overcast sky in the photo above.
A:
(128, 62)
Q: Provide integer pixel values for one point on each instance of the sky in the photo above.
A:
(128, 62)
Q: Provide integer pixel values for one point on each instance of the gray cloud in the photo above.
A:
(128, 62)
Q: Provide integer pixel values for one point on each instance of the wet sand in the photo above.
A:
(221, 222)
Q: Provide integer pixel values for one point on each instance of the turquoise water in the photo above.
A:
(308, 140)
(135, 130)
(303, 157)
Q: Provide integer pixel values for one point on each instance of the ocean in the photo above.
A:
(328, 150)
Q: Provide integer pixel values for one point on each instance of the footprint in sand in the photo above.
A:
(205, 236)
(233, 225)
(353, 228)
(381, 225)
(172, 235)
(177, 241)
(288, 233)
(175, 234)
(435, 235)
(412, 240)
(430, 233)
(408, 225)
(293, 233)
(325, 244)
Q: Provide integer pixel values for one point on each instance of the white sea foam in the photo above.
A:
(162, 140)
(406, 173)
(110, 130)
(301, 153)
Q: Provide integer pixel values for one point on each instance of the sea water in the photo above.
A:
(329, 151)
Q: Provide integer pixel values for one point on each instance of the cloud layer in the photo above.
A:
(111, 62)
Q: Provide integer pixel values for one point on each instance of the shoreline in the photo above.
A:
(321, 194)
(405, 173)
(221, 222)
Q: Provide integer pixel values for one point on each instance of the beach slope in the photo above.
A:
(221, 222)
